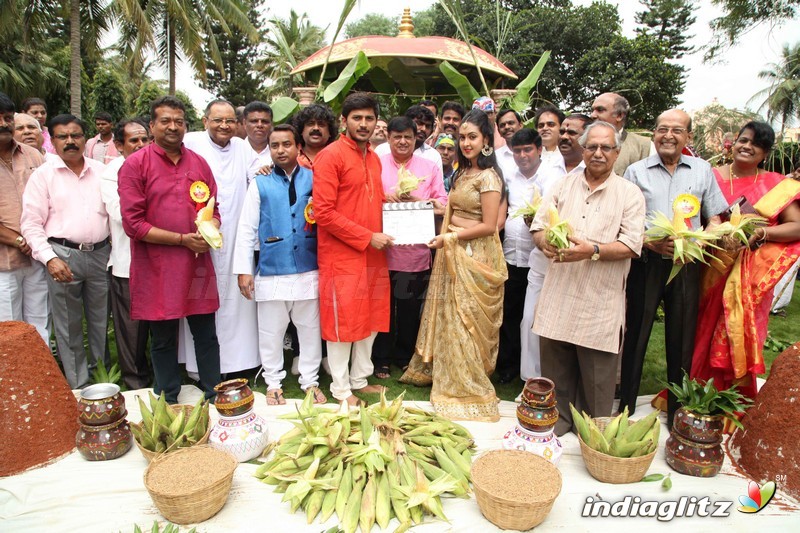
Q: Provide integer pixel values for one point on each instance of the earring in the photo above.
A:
(487, 150)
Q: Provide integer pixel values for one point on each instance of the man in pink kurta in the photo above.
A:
(171, 274)
(353, 278)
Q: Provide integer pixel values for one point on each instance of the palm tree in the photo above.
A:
(288, 43)
(782, 97)
(178, 29)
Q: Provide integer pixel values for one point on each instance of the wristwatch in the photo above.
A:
(596, 254)
(19, 241)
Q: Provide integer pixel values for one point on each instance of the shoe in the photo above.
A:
(296, 366)
(325, 366)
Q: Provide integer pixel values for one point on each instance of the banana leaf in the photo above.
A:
(522, 99)
(283, 108)
(403, 77)
(460, 83)
(357, 67)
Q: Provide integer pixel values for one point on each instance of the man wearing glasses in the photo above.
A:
(669, 181)
(236, 319)
(581, 309)
(65, 222)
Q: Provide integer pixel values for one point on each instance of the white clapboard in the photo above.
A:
(409, 222)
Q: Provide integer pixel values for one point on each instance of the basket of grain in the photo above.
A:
(515, 489)
(611, 469)
(190, 485)
(187, 411)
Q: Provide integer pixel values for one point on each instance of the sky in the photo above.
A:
(733, 81)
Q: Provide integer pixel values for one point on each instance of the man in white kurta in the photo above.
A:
(228, 157)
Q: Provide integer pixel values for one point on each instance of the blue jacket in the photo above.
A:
(287, 244)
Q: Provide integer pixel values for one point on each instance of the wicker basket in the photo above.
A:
(198, 503)
(507, 513)
(610, 469)
(150, 455)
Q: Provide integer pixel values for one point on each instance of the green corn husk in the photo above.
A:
(740, 226)
(558, 231)
(530, 208)
(690, 245)
(406, 182)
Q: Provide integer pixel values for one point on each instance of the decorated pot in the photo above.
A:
(244, 436)
(103, 443)
(694, 445)
(544, 445)
(537, 419)
(234, 397)
(101, 404)
(698, 428)
(539, 392)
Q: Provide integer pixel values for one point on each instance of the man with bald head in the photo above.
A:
(229, 157)
(614, 109)
(28, 131)
(670, 182)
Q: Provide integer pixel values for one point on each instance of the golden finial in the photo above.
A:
(406, 25)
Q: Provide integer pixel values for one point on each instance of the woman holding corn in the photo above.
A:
(736, 297)
(459, 333)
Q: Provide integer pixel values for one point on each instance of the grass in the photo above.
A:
(784, 329)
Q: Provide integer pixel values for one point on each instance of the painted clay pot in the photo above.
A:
(101, 404)
(244, 436)
(694, 445)
(544, 445)
(103, 443)
(234, 397)
(539, 420)
(539, 392)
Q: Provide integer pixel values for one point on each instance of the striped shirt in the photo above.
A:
(583, 302)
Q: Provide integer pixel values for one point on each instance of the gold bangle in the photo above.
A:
(763, 235)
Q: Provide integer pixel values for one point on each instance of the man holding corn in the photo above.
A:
(580, 313)
(670, 181)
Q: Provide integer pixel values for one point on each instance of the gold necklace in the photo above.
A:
(732, 176)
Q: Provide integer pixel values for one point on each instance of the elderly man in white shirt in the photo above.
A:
(131, 335)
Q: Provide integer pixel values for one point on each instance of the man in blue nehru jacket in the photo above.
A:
(277, 215)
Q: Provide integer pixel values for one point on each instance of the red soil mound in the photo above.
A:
(39, 413)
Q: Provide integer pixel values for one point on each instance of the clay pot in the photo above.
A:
(539, 392)
(234, 397)
(694, 445)
(103, 443)
(544, 445)
(537, 419)
(244, 436)
(101, 404)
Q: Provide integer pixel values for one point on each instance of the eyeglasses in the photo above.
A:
(592, 148)
(663, 130)
(226, 121)
(65, 136)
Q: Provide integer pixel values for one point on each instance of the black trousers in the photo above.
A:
(164, 354)
(131, 336)
(508, 356)
(408, 294)
(647, 287)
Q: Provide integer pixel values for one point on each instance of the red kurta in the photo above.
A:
(353, 276)
(166, 281)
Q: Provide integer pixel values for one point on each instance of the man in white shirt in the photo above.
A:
(508, 123)
(528, 177)
(548, 121)
(131, 335)
(228, 157)
(424, 119)
(571, 151)
(257, 118)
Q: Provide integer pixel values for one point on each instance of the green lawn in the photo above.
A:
(783, 329)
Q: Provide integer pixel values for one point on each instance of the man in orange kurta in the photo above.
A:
(353, 276)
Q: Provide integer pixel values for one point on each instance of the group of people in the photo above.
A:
(300, 212)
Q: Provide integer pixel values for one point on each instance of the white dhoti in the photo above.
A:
(530, 366)
(347, 375)
(24, 297)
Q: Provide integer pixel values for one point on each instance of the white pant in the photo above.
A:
(345, 375)
(782, 294)
(273, 317)
(23, 297)
(530, 366)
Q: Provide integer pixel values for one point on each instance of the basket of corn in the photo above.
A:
(165, 428)
(192, 484)
(690, 245)
(617, 450)
(515, 489)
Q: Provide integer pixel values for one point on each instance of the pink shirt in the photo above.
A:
(47, 145)
(99, 151)
(166, 282)
(415, 258)
(57, 203)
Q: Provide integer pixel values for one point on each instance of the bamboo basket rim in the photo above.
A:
(150, 455)
(625, 469)
(196, 505)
